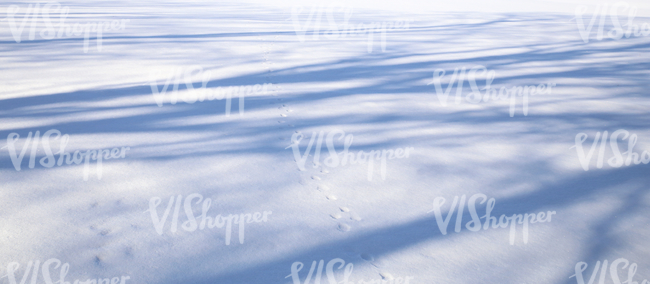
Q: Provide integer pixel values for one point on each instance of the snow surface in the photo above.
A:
(103, 99)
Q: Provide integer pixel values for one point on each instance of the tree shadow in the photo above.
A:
(75, 113)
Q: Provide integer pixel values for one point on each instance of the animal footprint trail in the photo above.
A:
(344, 214)
(322, 188)
(378, 263)
(343, 227)
(283, 114)
(386, 276)
(267, 63)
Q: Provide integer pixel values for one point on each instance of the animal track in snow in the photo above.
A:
(386, 276)
(287, 120)
(375, 262)
(323, 187)
(378, 263)
(367, 257)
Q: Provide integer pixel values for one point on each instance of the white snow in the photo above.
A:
(386, 227)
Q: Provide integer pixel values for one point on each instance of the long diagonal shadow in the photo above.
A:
(555, 196)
